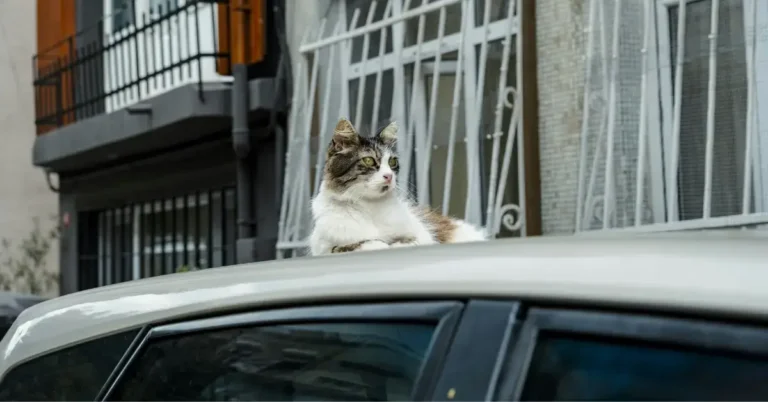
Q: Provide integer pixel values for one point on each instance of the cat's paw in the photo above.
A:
(403, 242)
(373, 245)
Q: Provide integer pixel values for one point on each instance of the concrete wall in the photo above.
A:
(24, 194)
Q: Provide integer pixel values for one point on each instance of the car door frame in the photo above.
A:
(455, 320)
(633, 326)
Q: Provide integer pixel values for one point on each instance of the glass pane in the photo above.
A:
(122, 14)
(73, 374)
(581, 368)
(353, 361)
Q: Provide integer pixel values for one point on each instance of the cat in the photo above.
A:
(359, 208)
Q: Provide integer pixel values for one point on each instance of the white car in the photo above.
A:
(660, 317)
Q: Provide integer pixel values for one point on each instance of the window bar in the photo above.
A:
(324, 132)
(711, 89)
(223, 217)
(672, 172)
(115, 255)
(589, 201)
(143, 241)
(641, 147)
(126, 65)
(174, 237)
(102, 254)
(130, 242)
(426, 147)
(151, 29)
(154, 266)
(158, 22)
(289, 190)
(118, 66)
(185, 231)
(364, 60)
(146, 31)
(581, 201)
(188, 64)
(612, 95)
(136, 64)
(198, 221)
(519, 126)
(493, 184)
(750, 47)
(94, 80)
(179, 57)
(405, 160)
(209, 264)
(454, 114)
(198, 54)
(474, 187)
(163, 238)
(380, 72)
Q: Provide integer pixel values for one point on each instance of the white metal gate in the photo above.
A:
(675, 134)
(445, 70)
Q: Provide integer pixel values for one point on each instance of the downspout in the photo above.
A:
(241, 142)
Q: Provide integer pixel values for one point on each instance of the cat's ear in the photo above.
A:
(344, 135)
(388, 134)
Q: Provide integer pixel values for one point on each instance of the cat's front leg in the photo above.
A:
(365, 245)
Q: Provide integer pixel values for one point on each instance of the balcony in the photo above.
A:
(133, 54)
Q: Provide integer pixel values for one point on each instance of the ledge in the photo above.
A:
(175, 117)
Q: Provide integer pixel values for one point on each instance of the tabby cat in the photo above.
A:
(359, 208)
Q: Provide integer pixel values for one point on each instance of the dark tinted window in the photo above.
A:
(356, 361)
(73, 374)
(566, 367)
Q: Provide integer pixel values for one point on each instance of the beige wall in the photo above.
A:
(24, 193)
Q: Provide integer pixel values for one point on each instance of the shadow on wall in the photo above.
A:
(23, 265)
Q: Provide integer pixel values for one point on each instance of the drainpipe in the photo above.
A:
(241, 142)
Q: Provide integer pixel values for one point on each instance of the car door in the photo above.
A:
(380, 351)
(567, 354)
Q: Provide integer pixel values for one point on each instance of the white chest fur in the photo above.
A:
(339, 223)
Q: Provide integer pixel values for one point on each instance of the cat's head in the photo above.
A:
(361, 167)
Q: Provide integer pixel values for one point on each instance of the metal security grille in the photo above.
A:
(159, 237)
(447, 72)
(674, 131)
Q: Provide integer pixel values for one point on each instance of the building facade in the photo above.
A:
(545, 117)
(134, 112)
(524, 117)
(27, 204)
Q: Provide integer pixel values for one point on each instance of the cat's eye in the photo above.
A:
(393, 162)
(368, 161)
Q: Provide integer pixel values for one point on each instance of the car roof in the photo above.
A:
(723, 273)
(11, 303)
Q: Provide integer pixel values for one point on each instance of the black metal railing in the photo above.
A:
(159, 237)
(129, 56)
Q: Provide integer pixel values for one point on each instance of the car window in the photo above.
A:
(572, 367)
(76, 373)
(318, 361)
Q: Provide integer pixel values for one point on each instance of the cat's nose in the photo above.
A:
(387, 177)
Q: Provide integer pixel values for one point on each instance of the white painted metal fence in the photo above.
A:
(445, 70)
(675, 124)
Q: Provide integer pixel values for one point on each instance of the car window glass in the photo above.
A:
(76, 373)
(320, 361)
(567, 367)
